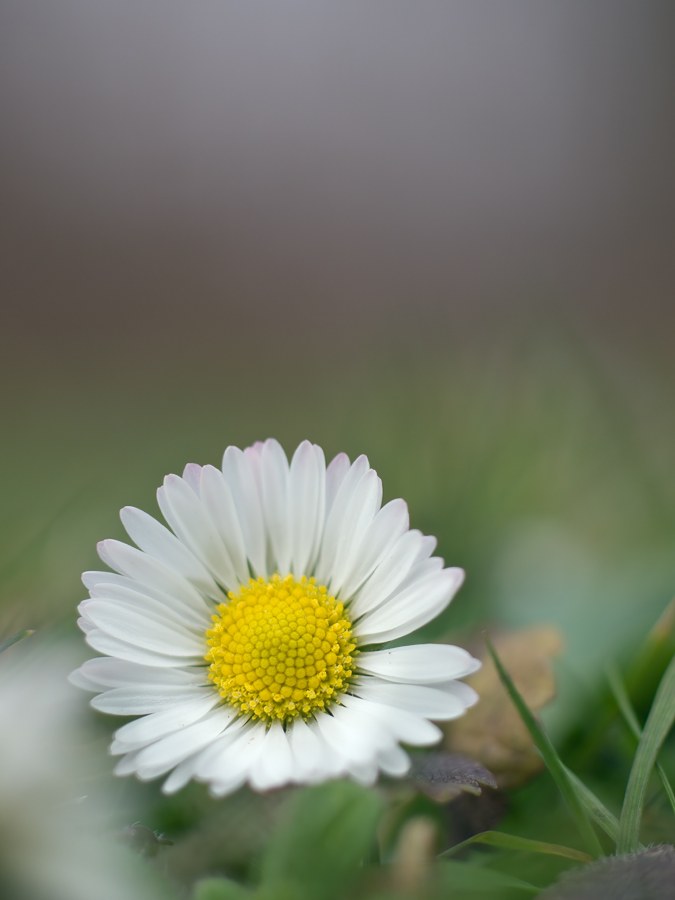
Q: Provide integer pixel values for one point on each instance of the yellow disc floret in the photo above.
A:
(281, 649)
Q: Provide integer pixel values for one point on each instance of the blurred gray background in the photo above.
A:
(213, 172)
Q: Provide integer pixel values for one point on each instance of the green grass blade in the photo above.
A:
(15, 638)
(555, 765)
(513, 842)
(597, 810)
(626, 709)
(659, 722)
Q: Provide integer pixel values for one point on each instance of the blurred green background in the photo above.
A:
(542, 463)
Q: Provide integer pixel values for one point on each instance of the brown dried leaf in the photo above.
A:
(442, 776)
(493, 732)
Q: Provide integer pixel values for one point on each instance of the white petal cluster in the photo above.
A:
(255, 517)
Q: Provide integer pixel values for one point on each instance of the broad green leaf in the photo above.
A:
(513, 842)
(659, 722)
(15, 638)
(626, 709)
(555, 765)
(330, 830)
(464, 880)
(220, 889)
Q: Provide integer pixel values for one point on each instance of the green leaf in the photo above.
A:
(659, 722)
(220, 889)
(626, 709)
(513, 842)
(555, 765)
(464, 880)
(318, 850)
(15, 638)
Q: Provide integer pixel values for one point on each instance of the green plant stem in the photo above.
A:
(15, 638)
(514, 842)
(626, 709)
(555, 765)
(659, 722)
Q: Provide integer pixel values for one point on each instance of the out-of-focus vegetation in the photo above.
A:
(544, 468)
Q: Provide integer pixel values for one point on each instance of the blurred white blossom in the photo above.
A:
(49, 848)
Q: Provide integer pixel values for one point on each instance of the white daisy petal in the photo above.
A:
(419, 663)
(192, 475)
(254, 457)
(190, 520)
(79, 679)
(335, 475)
(181, 775)
(142, 732)
(360, 722)
(362, 509)
(432, 703)
(390, 574)
(364, 773)
(157, 541)
(97, 581)
(407, 727)
(345, 742)
(182, 616)
(219, 503)
(134, 701)
(166, 753)
(107, 672)
(463, 692)
(394, 761)
(352, 734)
(336, 516)
(320, 521)
(127, 764)
(191, 639)
(140, 629)
(427, 548)
(111, 646)
(148, 571)
(313, 759)
(274, 764)
(410, 608)
(241, 480)
(274, 475)
(85, 625)
(306, 504)
(230, 766)
(390, 523)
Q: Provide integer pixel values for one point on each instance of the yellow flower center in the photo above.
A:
(280, 649)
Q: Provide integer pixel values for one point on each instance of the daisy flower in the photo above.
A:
(246, 637)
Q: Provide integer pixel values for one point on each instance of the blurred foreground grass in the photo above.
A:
(544, 468)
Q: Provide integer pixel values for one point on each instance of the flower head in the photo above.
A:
(245, 638)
